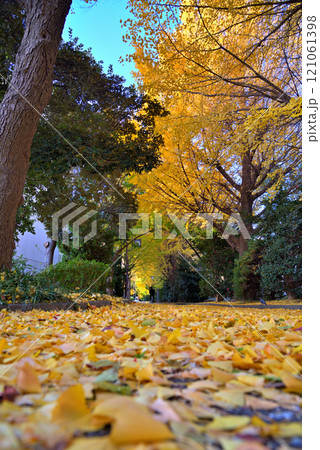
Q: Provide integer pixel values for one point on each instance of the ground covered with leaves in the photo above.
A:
(151, 377)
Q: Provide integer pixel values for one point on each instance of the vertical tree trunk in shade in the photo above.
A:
(50, 246)
(246, 204)
(109, 282)
(127, 276)
(25, 99)
(290, 287)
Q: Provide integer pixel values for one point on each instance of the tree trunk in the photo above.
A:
(289, 286)
(25, 99)
(290, 295)
(109, 282)
(246, 201)
(245, 206)
(127, 276)
(50, 246)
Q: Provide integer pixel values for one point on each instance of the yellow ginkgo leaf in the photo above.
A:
(71, 405)
(224, 365)
(221, 376)
(251, 380)
(144, 373)
(98, 443)
(291, 365)
(216, 348)
(287, 430)
(173, 337)
(27, 380)
(232, 396)
(292, 383)
(132, 423)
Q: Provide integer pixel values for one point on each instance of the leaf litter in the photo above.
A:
(151, 377)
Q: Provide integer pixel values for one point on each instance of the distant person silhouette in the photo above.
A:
(151, 292)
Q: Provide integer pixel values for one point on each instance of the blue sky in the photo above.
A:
(98, 26)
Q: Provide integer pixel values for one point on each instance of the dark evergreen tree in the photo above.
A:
(281, 238)
(272, 265)
(110, 128)
(216, 264)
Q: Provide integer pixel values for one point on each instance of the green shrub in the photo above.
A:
(21, 284)
(77, 273)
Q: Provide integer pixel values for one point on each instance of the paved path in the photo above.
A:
(230, 305)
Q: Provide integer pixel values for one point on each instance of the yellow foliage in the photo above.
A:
(233, 92)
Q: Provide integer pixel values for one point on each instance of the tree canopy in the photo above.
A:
(232, 88)
(98, 124)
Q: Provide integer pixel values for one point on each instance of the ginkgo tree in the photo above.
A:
(233, 91)
(249, 49)
(210, 169)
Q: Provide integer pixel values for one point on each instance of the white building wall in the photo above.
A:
(31, 247)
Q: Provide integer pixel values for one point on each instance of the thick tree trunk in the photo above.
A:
(245, 206)
(239, 243)
(22, 104)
